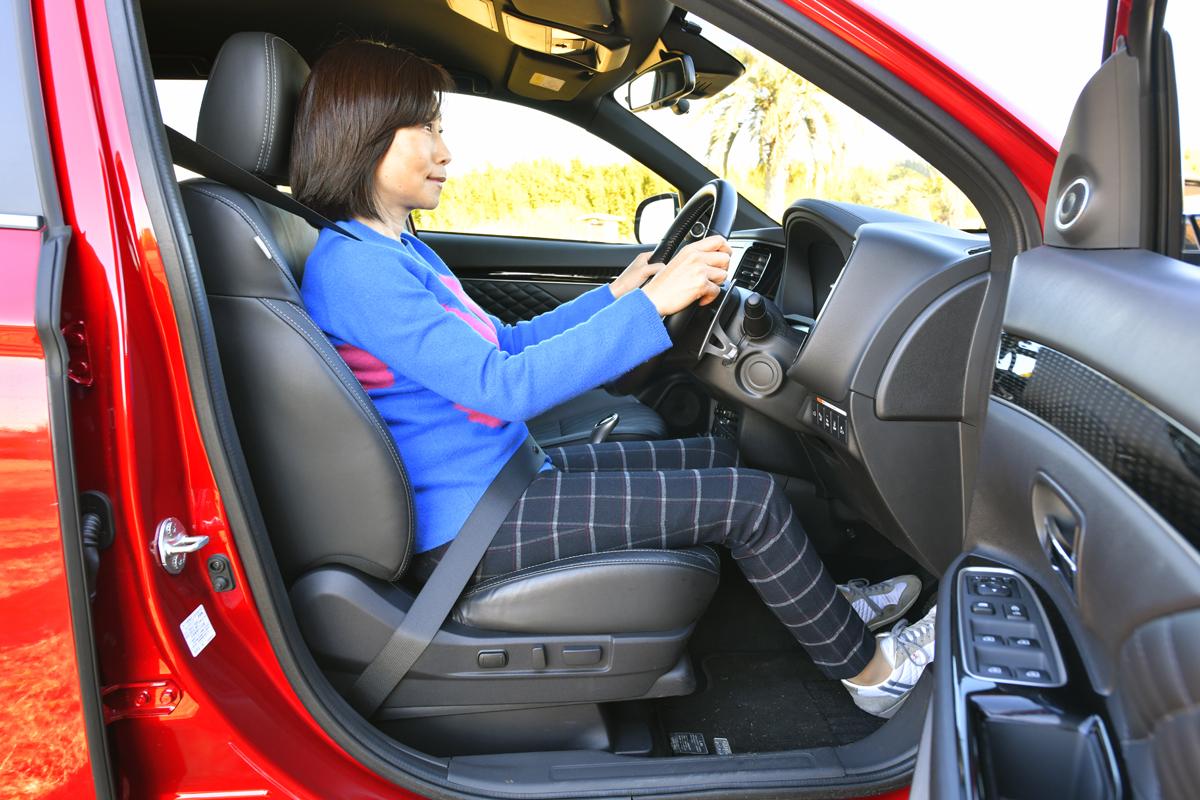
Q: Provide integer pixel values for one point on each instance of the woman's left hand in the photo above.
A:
(638, 272)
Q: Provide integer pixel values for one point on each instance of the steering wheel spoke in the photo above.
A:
(709, 212)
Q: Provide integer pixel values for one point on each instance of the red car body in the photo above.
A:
(228, 725)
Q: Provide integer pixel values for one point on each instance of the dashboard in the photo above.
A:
(860, 351)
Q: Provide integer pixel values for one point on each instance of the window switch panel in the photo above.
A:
(1003, 633)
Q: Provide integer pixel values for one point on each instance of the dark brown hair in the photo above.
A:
(359, 92)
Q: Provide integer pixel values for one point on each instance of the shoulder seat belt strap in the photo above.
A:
(198, 158)
(439, 594)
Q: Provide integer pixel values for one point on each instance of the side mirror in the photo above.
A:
(661, 84)
(654, 216)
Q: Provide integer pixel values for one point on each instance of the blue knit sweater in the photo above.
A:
(453, 383)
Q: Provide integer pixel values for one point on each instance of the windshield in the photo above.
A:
(778, 138)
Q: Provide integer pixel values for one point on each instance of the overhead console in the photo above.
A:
(867, 351)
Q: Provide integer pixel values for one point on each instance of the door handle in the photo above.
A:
(1059, 524)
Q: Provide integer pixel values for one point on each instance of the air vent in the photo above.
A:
(753, 267)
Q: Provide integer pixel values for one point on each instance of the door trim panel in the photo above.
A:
(1130, 312)
(1152, 454)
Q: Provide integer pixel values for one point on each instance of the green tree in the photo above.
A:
(771, 107)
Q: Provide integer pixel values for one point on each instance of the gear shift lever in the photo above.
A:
(604, 427)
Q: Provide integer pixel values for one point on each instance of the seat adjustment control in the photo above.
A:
(582, 656)
(492, 659)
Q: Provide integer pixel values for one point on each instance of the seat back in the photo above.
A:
(332, 486)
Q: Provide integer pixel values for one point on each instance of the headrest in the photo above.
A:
(250, 102)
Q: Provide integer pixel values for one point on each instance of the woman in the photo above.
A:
(455, 385)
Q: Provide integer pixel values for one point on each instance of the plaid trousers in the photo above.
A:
(674, 494)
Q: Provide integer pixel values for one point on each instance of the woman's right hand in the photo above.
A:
(694, 274)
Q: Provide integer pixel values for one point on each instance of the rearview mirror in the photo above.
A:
(662, 84)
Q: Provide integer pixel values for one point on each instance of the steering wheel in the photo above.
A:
(710, 211)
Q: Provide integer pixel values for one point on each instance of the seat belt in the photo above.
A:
(439, 594)
(198, 158)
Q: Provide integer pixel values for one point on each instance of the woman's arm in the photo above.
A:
(386, 311)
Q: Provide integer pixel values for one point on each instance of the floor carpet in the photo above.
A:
(757, 688)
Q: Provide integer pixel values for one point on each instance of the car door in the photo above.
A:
(1069, 630)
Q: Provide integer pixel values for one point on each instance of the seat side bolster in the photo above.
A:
(626, 591)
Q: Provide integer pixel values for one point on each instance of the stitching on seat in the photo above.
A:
(267, 106)
(557, 567)
(276, 258)
(273, 99)
(511, 579)
(281, 309)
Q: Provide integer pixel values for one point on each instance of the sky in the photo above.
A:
(1036, 54)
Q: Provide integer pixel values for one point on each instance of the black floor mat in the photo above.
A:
(758, 688)
(765, 702)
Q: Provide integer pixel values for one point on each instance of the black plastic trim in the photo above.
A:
(1152, 454)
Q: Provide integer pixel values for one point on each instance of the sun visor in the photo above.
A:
(545, 77)
(577, 13)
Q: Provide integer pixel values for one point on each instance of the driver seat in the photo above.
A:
(526, 658)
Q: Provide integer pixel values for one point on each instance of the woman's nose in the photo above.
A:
(442, 154)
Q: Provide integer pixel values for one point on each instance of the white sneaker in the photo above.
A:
(881, 604)
(909, 650)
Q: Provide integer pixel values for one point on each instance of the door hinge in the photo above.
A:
(140, 699)
(79, 354)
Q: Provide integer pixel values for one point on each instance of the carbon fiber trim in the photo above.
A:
(1149, 452)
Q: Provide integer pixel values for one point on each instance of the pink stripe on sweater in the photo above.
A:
(370, 371)
(485, 327)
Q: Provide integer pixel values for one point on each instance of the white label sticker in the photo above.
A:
(197, 630)
(547, 82)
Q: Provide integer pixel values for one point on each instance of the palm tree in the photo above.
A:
(770, 106)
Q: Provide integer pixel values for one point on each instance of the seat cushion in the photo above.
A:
(623, 591)
(572, 421)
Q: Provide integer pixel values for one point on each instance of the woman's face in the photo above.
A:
(412, 171)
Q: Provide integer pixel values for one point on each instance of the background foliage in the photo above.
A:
(776, 136)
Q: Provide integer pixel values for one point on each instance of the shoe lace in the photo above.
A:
(856, 590)
(911, 640)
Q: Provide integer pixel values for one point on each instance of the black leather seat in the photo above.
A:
(336, 498)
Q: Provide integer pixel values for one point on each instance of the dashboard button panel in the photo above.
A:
(830, 418)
